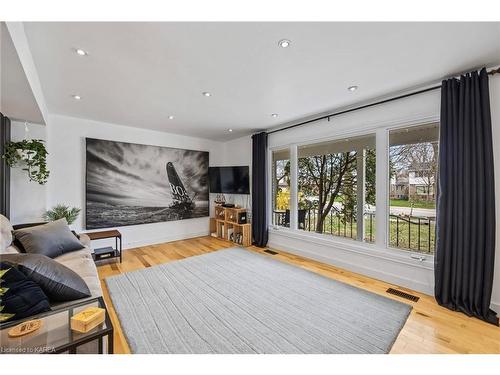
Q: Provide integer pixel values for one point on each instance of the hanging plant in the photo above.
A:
(31, 156)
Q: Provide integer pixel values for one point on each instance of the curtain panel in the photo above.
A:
(259, 189)
(4, 168)
(465, 253)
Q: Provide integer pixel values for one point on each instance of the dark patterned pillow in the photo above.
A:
(23, 297)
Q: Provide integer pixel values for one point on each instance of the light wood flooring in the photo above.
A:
(429, 329)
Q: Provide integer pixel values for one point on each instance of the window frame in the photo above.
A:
(381, 246)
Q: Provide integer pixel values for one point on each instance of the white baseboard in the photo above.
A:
(377, 273)
(163, 239)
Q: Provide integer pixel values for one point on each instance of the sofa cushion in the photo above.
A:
(5, 234)
(52, 239)
(58, 282)
(23, 297)
(83, 264)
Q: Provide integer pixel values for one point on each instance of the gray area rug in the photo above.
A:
(237, 301)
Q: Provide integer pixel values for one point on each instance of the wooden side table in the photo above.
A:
(107, 252)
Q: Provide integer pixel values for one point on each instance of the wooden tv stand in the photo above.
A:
(225, 221)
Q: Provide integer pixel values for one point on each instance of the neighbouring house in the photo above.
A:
(417, 183)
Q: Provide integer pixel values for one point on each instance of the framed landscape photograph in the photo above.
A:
(131, 184)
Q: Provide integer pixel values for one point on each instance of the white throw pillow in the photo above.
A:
(5, 233)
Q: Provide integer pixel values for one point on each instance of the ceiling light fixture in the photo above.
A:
(206, 93)
(284, 43)
(76, 97)
(170, 117)
(352, 88)
(81, 52)
(274, 115)
(230, 130)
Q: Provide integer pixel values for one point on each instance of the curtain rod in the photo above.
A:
(432, 88)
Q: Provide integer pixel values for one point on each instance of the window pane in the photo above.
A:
(336, 188)
(281, 188)
(413, 165)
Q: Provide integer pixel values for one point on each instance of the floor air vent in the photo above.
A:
(402, 294)
(269, 251)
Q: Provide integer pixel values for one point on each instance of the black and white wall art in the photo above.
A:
(130, 184)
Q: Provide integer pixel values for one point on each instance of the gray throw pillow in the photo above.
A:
(52, 239)
(57, 281)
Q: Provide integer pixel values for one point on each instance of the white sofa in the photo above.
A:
(79, 261)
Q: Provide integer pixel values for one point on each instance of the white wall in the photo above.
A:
(27, 202)
(238, 152)
(66, 140)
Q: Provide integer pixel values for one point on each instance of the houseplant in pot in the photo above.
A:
(61, 211)
(31, 156)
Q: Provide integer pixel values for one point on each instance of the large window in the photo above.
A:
(336, 188)
(413, 165)
(281, 188)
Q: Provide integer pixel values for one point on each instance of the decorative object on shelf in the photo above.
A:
(3, 316)
(31, 156)
(220, 199)
(87, 319)
(25, 327)
(60, 211)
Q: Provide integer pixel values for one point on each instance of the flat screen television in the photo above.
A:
(229, 180)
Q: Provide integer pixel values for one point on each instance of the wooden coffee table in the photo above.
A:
(107, 252)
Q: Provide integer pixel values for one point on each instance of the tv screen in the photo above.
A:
(229, 180)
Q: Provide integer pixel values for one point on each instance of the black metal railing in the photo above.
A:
(405, 232)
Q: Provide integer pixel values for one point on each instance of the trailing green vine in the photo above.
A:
(31, 155)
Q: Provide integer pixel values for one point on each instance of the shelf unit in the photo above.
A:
(225, 221)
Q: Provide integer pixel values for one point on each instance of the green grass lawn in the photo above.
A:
(406, 203)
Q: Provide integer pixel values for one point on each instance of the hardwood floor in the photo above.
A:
(429, 329)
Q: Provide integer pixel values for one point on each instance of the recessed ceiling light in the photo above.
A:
(170, 117)
(81, 52)
(352, 88)
(274, 115)
(206, 93)
(230, 130)
(76, 97)
(284, 43)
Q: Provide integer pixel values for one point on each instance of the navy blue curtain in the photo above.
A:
(259, 189)
(465, 253)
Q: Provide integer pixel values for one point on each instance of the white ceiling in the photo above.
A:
(18, 102)
(138, 74)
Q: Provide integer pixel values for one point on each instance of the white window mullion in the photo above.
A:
(294, 201)
(382, 183)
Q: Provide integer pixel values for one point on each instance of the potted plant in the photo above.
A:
(62, 211)
(31, 156)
